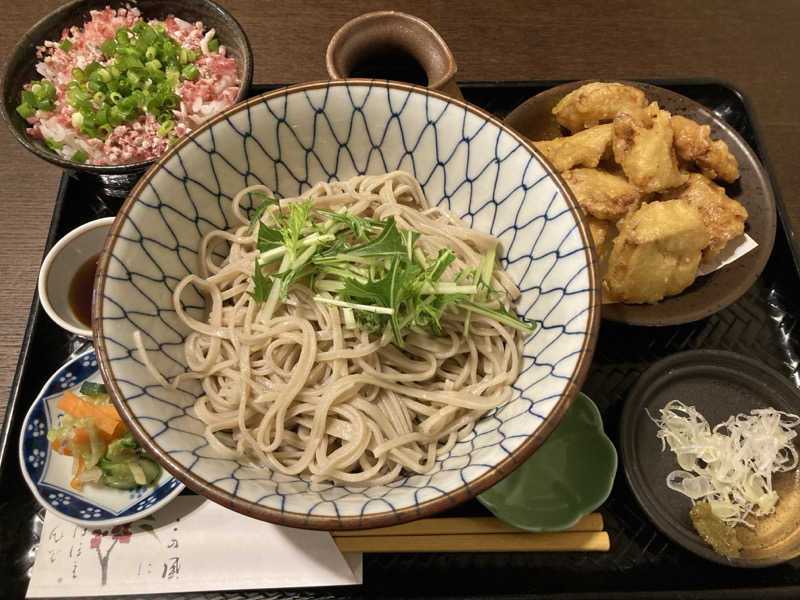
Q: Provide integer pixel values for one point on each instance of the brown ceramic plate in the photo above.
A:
(717, 290)
(719, 384)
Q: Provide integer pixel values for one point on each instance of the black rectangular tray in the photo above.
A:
(642, 563)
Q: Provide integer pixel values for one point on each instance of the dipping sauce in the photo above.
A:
(392, 64)
(80, 291)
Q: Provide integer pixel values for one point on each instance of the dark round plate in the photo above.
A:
(719, 384)
(710, 293)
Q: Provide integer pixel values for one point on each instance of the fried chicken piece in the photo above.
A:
(656, 253)
(602, 194)
(723, 217)
(585, 148)
(693, 144)
(642, 145)
(595, 103)
(601, 236)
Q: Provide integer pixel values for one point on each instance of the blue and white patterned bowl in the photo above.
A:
(48, 473)
(288, 140)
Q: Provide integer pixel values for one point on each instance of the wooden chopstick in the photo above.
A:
(477, 534)
(463, 525)
(568, 541)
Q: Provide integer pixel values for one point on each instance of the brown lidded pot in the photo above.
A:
(393, 45)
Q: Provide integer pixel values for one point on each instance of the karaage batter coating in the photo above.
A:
(584, 148)
(642, 145)
(602, 194)
(693, 144)
(601, 236)
(595, 103)
(723, 217)
(656, 253)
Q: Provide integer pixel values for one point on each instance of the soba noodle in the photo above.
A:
(299, 390)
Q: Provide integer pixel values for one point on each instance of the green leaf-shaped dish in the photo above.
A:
(569, 476)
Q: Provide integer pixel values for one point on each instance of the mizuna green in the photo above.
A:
(371, 269)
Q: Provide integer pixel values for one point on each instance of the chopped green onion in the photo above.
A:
(148, 36)
(115, 116)
(121, 36)
(28, 97)
(213, 45)
(109, 47)
(65, 45)
(91, 68)
(80, 156)
(78, 74)
(172, 76)
(53, 144)
(48, 89)
(190, 72)
(155, 75)
(46, 105)
(77, 120)
(84, 107)
(25, 110)
(141, 46)
(127, 105)
(124, 86)
(165, 128)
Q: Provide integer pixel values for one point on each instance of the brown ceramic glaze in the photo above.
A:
(393, 45)
(753, 190)
(21, 65)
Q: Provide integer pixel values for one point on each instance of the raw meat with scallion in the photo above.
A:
(121, 89)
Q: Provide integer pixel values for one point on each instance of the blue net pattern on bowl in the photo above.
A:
(288, 142)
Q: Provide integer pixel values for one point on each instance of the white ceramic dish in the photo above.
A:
(60, 266)
(48, 473)
(289, 139)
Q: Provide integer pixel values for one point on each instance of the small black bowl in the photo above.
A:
(20, 68)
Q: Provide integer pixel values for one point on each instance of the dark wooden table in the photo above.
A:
(751, 45)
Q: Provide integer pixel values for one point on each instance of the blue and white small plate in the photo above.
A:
(48, 473)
